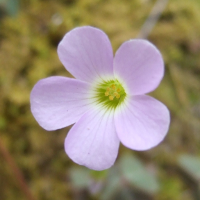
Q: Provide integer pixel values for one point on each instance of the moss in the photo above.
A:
(28, 53)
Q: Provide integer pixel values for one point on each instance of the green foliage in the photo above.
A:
(10, 7)
(137, 175)
(191, 165)
(28, 53)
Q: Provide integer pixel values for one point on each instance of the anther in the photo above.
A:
(117, 96)
(108, 89)
(113, 86)
(111, 97)
(115, 93)
(118, 90)
(106, 93)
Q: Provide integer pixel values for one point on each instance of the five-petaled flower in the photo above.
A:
(107, 101)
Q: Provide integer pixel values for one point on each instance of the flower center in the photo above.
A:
(110, 93)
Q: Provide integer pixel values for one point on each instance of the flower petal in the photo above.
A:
(87, 54)
(139, 66)
(93, 141)
(142, 123)
(57, 101)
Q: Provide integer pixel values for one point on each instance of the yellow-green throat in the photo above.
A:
(110, 94)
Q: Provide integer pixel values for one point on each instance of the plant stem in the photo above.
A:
(152, 19)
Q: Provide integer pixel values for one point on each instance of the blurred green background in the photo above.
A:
(29, 35)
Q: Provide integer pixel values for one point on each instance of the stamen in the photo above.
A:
(115, 93)
(118, 96)
(111, 97)
(113, 86)
(112, 93)
(106, 93)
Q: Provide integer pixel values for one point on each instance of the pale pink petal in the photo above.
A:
(93, 141)
(142, 122)
(139, 66)
(87, 54)
(57, 101)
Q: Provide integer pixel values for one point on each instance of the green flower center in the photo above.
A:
(110, 94)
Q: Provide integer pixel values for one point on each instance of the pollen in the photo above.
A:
(106, 93)
(118, 96)
(115, 93)
(111, 97)
(113, 86)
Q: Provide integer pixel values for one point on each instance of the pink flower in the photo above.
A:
(107, 101)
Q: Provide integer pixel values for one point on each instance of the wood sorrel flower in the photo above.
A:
(107, 101)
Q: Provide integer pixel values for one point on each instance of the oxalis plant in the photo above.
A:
(107, 102)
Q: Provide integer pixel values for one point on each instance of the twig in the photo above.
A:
(16, 171)
(153, 18)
